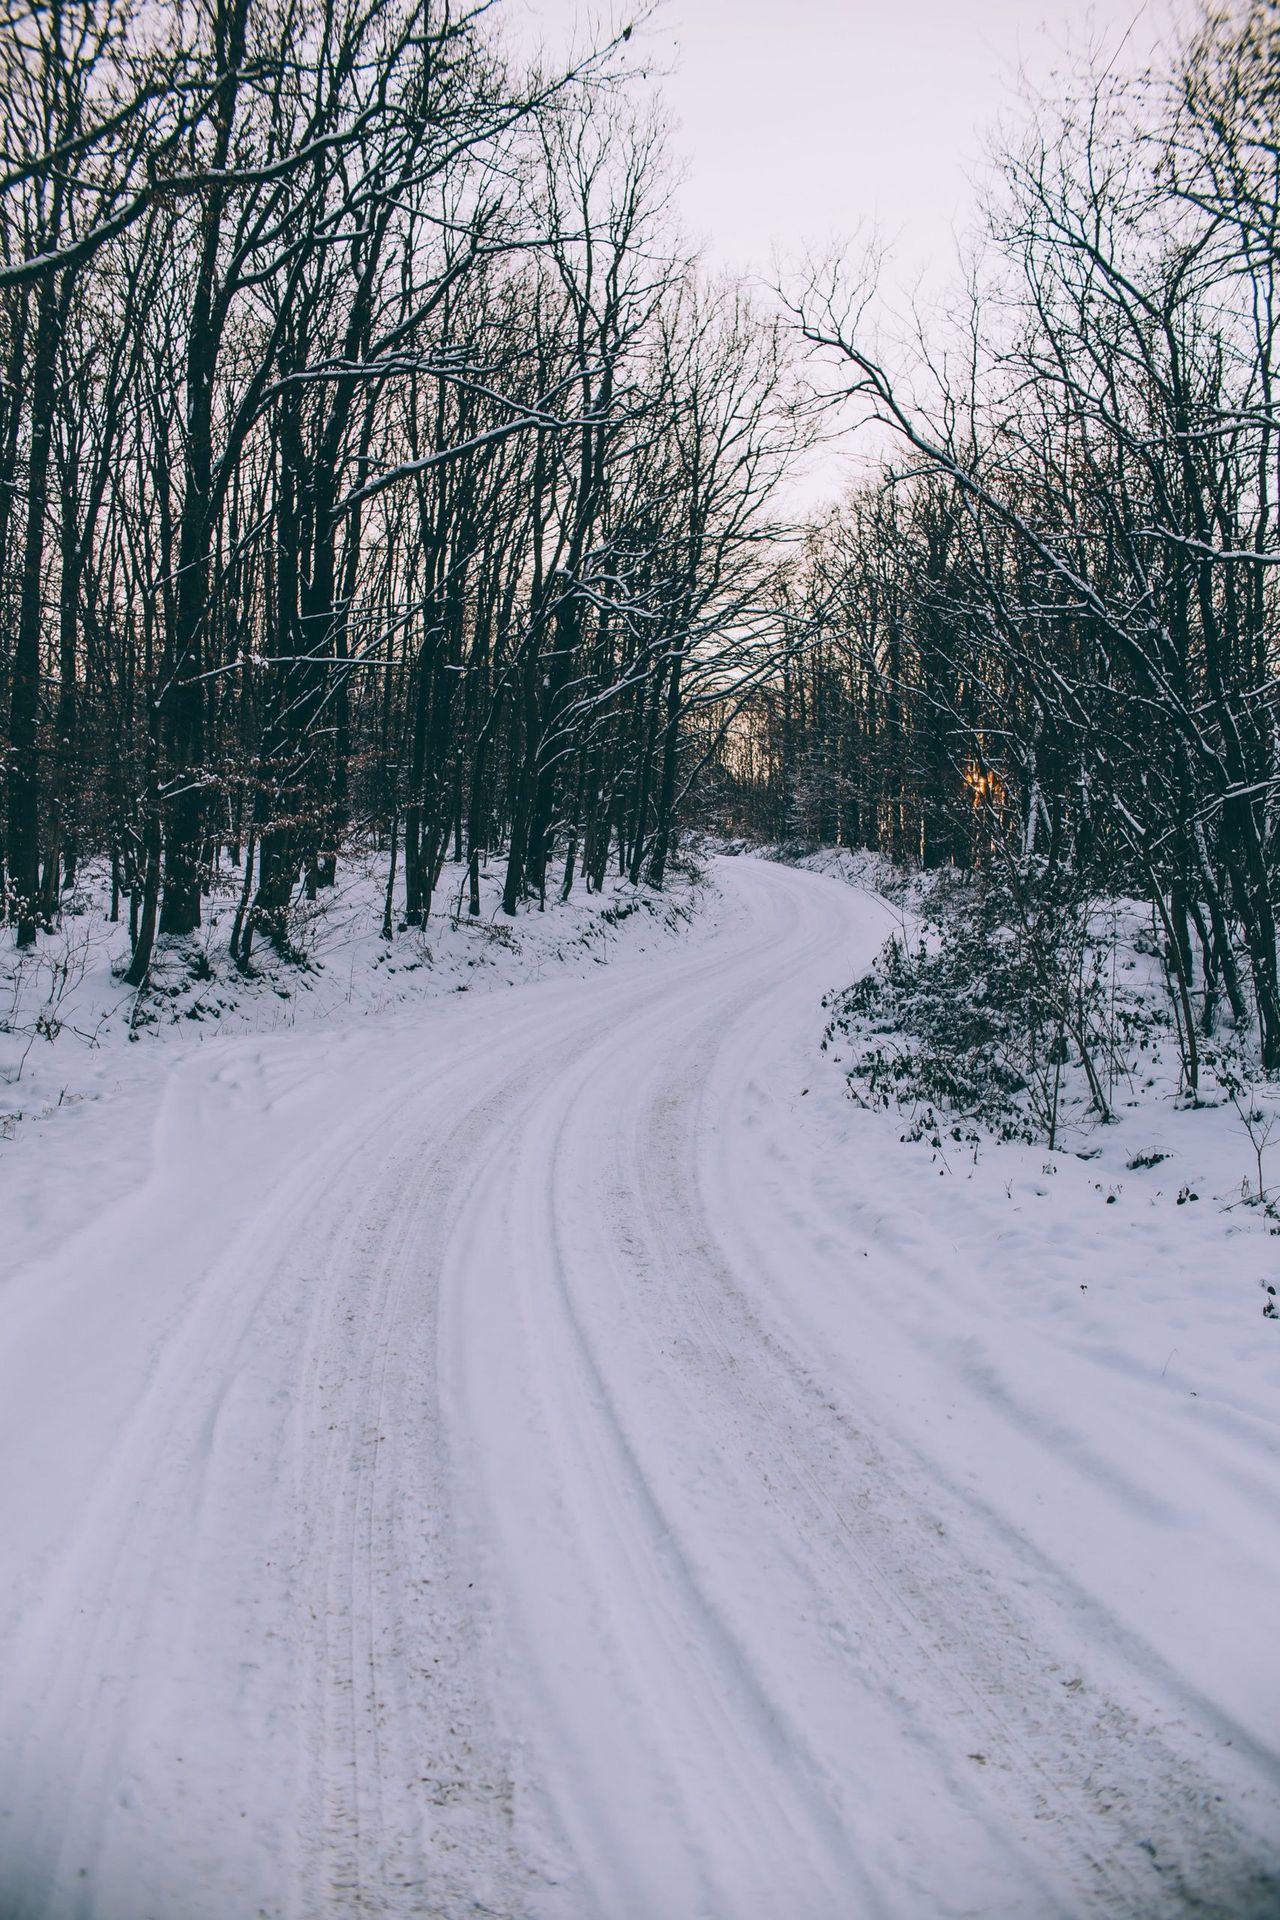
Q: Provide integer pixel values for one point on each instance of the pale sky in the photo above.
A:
(799, 126)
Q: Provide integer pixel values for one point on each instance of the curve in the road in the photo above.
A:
(457, 1505)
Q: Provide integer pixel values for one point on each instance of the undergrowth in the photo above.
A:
(1006, 1010)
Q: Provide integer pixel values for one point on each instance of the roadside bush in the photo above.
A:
(999, 1013)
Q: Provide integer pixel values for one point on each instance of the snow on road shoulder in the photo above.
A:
(83, 1056)
(1080, 1346)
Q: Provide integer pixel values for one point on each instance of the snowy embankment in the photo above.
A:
(73, 1034)
(550, 1453)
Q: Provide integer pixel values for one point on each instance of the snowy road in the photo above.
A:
(476, 1466)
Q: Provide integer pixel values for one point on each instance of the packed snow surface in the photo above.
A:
(545, 1453)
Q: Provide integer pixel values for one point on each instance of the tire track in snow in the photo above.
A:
(1035, 1798)
(119, 1621)
(570, 1473)
(121, 1599)
(749, 1412)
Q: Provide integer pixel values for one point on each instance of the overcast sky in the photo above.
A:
(799, 121)
(799, 124)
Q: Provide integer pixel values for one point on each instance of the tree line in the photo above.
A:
(371, 461)
(1044, 637)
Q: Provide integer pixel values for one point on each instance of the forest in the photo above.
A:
(378, 464)
(1043, 639)
(373, 465)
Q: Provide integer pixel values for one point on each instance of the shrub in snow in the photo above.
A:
(1001, 1012)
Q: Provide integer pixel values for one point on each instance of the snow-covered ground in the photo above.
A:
(547, 1453)
(66, 1013)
